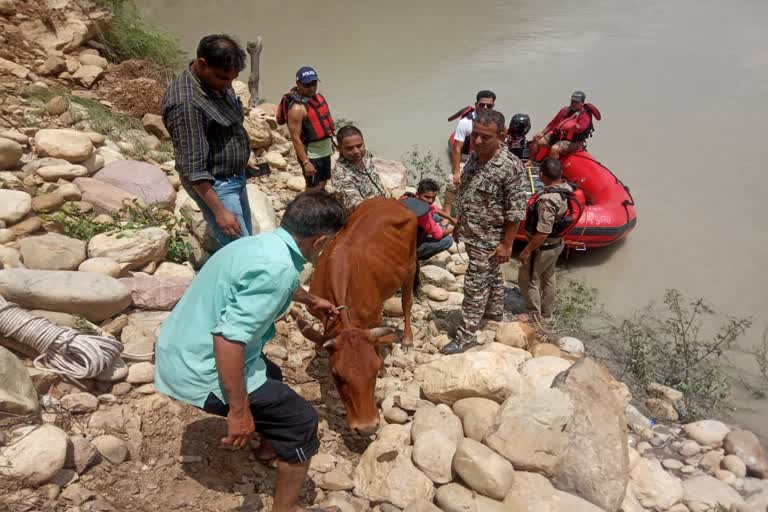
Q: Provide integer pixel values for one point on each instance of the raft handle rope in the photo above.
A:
(63, 351)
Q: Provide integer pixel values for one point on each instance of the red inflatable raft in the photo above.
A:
(609, 214)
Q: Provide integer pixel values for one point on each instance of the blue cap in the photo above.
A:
(306, 74)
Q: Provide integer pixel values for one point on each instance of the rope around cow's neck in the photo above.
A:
(62, 350)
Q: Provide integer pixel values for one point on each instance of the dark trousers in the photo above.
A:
(281, 415)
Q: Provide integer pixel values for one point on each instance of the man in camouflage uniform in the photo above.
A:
(354, 178)
(491, 206)
(536, 276)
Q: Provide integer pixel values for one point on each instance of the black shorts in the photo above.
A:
(323, 171)
(281, 415)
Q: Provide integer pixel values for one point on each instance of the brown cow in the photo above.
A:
(365, 264)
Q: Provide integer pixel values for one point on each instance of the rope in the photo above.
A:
(62, 350)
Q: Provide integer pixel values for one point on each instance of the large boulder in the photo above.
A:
(437, 276)
(703, 493)
(258, 130)
(155, 293)
(69, 145)
(516, 334)
(132, 249)
(143, 180)
(11, 68)
(263, 217)
(483, 470)
(17, 391)
(595, 461)
(528, 430)
(94, 296)
(746, 446)
(14, 205)
(62, 172)
(385, 471)
(393, 174)
(472, 374)
(105, 266)
(457, 498)
(243, 93)
(52, 251)
(707, 432)
(88, 75)
(571, 503)
(541, 371)
(477, 415)
(10, 153)
(104, 197)
(66, 30)
(10, 258)
(436, 432)
(531, 492)
(154, 125)
(653, 487)
(35, 455)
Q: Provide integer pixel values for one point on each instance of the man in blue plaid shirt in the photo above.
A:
(205, 119)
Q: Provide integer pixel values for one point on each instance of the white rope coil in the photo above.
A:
(62, 350)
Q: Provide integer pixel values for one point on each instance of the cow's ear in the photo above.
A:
(387, 339)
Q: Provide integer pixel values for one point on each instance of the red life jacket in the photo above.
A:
(567, 125)
(317, 125)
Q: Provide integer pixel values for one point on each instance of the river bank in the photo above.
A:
(451, 425)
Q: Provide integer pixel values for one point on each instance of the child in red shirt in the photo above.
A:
(433, 237)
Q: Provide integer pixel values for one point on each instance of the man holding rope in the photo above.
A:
(209, 352)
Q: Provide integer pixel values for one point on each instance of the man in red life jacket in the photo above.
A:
(460, 145)
(568, 131)
(311, 127)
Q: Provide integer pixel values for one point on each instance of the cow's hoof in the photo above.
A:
(406, 347)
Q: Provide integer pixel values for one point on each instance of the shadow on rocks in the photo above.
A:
(206, 460)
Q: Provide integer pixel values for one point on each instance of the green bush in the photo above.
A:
(420, 167)
(668, 347)
(131, 37)
(132, 216)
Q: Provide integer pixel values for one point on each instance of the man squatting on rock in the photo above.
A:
(210, 349)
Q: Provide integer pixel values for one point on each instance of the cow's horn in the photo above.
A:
(330, 344)
(378, 332)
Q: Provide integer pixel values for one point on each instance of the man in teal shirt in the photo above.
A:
(209, 352)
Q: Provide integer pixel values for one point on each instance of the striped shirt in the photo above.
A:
(206, 129)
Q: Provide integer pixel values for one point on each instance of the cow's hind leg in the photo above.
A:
(407, 301)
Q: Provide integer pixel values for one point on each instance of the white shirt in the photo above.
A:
(463, 129)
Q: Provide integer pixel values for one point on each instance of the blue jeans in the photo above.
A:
(233, 195)
(430, 247)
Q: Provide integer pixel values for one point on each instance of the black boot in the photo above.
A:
(457, 347)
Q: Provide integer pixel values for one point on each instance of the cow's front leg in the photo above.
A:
(407, 301)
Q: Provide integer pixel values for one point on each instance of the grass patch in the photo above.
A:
(132, 216)
(104, 120)
(131, 37)
(575, 303)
